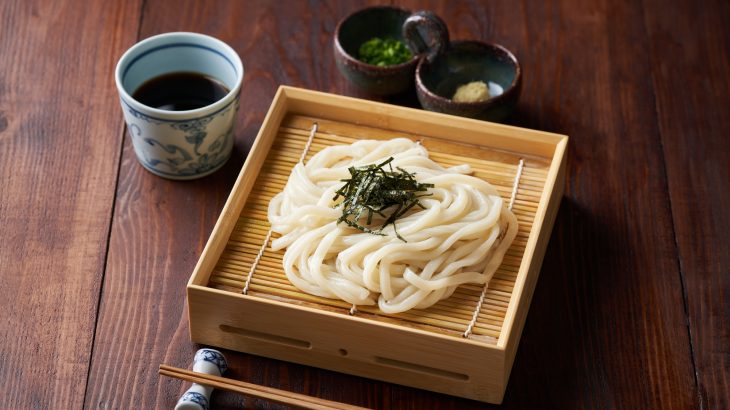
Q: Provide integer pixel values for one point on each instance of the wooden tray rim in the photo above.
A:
(285, 96)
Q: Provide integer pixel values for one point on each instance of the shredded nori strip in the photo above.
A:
(374, 190)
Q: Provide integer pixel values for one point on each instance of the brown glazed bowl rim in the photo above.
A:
(421, 87)
(348, 57)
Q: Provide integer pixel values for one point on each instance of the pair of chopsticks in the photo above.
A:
(255, 390)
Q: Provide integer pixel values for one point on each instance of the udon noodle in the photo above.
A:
(459, 236)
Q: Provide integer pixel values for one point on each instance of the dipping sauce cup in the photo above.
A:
(190, 143)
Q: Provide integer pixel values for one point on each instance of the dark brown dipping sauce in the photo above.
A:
(180, 91)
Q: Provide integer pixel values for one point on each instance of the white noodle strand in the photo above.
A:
(460, 236)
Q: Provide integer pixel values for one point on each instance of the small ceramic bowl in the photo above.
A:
(384, 22)
(464, 62)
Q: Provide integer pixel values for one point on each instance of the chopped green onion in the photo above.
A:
(384, 52)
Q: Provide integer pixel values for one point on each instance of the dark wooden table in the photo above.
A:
(632, 309)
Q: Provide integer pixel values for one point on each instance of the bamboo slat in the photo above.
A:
(450, 316)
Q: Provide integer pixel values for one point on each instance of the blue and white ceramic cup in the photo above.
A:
(180, 144)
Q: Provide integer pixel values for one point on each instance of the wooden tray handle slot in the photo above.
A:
(419, 368)
(267, 337)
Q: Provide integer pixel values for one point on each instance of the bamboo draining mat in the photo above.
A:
(451, 316)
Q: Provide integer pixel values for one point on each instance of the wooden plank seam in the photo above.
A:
(478, 308)
(268, 234)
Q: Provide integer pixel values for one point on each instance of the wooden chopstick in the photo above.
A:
(255, 390)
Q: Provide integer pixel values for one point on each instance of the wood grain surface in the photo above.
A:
(60, 140)
(632, 309)
(689, 47)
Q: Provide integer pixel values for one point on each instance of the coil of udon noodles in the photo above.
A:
(460, 234)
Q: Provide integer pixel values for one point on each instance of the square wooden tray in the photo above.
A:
(464, 345)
